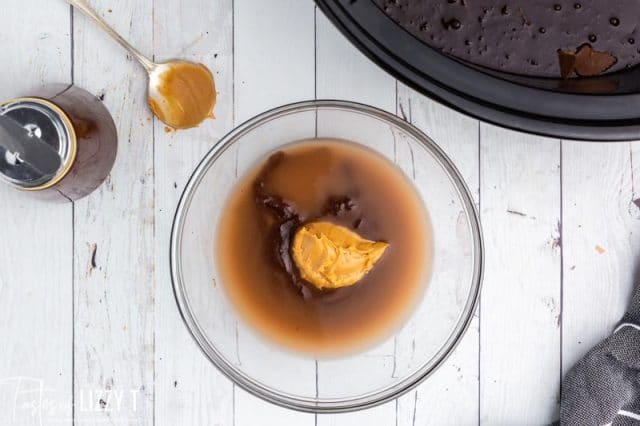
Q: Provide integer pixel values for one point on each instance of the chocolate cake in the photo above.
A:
(525, 37)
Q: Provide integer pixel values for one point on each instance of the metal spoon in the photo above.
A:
(182, 94)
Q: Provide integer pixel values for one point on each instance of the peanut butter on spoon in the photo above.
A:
(181, 94)
(331, 256)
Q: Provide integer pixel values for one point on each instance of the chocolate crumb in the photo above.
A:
(585, 62)
(525, 20)
(338, 206)
(590, 62)
(567, 62)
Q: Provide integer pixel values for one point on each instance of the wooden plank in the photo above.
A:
(36, 278)
(273, 65)
(600, 189)
(274, 55)
(253, 411)
(114, 301)
(345, 73)
(520, 307)
(450, 396)
(188, 388)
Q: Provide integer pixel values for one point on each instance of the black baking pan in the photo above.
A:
(604, 108)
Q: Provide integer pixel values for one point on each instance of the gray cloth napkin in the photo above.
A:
(604, 387)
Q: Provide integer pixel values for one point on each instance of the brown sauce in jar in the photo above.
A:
(348, 185)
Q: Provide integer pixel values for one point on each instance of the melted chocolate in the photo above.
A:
(287, 222)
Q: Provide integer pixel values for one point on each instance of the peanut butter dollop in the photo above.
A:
(183, 94)
(330, 256)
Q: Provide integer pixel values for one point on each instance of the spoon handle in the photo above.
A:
(87, 10)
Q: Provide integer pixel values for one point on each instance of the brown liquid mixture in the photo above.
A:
(345, 184)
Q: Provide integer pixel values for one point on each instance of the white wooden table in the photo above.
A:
(103, 343)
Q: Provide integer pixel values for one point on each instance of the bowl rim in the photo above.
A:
(306, 404)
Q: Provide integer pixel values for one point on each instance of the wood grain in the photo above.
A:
(36, 275)
(520, 304)
(274, 55)
(189, 389)
(273, 65)
(114, 300)
(345, 73)
(601, 185)
(560, 223)
(450, 396)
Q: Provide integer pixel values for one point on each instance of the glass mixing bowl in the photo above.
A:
(356, 381)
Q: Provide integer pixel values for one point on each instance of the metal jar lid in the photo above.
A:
(42, 132)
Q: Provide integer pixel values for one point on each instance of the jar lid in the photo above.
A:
(48, 138)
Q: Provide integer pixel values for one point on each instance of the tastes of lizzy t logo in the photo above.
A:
(29, 400)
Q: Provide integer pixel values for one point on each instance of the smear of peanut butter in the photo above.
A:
(186, 95)
(332, 256)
